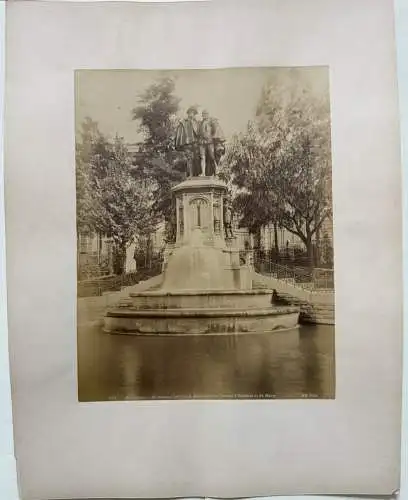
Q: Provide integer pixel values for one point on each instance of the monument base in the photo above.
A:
(205, 288)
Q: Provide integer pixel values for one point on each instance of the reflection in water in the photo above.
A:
(290, 364)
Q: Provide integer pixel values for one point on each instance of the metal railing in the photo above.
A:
(96, 286)
(314, 280)
(323, 279)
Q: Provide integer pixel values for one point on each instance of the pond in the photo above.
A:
(296, 363)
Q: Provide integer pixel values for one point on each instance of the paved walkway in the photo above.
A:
(92, 309)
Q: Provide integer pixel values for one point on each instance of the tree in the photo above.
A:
(302, 189)
(92, 157)
(282, 163)
(158, 162)
(250, 158)
(125, 205)
(110, 200)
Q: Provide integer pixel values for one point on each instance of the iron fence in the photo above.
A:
(96, 286)
(302, 277)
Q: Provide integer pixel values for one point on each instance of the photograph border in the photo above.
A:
(213, 462)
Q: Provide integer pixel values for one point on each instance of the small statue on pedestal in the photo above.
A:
(228, 219)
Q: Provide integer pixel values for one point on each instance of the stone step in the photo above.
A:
(209, 299)
(210, 312)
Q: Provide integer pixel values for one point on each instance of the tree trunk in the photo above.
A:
(258, 254)
(309, 248)
(257, 238)
(310, 253)
(276, 242)
(317, 251)
(99, 247)
(149, 251)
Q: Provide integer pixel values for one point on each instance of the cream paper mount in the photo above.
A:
(230, 448)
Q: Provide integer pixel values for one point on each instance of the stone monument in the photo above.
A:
(205, 289)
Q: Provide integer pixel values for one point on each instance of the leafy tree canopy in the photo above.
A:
(109, 199)
(281, 165)
(158, 162)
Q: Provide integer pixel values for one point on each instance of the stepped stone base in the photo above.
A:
(200, 299)
(315, 307)
(319, 314)
(312, 311)
(203, 321)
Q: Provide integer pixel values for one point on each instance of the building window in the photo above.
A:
(84, 243)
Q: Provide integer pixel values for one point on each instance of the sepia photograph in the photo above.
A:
(205, 262)
(213, 280)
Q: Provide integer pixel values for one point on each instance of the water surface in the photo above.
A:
(290, 364)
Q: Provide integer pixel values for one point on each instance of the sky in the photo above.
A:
(231, 95)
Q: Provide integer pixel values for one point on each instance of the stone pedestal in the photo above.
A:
(199, 207)
(201, 257)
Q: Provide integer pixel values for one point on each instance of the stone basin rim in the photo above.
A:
(200, 313)
(192, 292)
(277, 330)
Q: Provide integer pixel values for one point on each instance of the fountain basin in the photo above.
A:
(200, 321)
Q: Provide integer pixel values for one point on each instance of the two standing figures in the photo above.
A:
(202, 142)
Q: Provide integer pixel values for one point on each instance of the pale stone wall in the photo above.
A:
(268, 238)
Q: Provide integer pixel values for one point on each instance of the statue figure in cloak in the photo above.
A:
(211, 140)
(186, 140)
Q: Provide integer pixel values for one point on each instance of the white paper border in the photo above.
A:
(183, 449)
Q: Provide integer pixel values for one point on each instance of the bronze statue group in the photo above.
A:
(202, 142)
